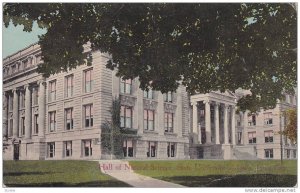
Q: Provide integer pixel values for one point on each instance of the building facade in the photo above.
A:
(60, 117)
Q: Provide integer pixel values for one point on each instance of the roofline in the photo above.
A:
(20, 51)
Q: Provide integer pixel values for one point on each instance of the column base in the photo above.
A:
(227, 152)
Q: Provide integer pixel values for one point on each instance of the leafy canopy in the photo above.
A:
(203, 46)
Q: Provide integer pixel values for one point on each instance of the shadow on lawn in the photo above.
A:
(255, 180)
(6, 174)
(107, 183)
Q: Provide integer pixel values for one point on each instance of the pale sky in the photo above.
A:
(14, 38)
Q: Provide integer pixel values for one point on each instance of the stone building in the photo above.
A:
(60, 117)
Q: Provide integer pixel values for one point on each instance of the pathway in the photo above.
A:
(121, 170)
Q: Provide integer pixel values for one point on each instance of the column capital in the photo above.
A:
(14, 90)
(226, 105)
(217, 104)
(26, 86)
(39, 82)
(194, 103)
(206, 101)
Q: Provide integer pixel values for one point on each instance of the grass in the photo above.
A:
(56, 174)
(220, 173)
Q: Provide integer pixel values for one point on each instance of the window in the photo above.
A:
(10, 101)
(239, 137)
(268, 153)
(69, 118)
(152, 146)
(251, 120)
(268, 118)
(22, 99)
(128, 148)
(168, 97)
(52, 121)
(52, 91)
(252, 137)
(169, 122)
(149, 120)
(126, 86)
(88, 80)
(68, 148)
(11, 121)
(36, 124)
(38, 59)
(269, 136)
(69, 85)
(295, 153)
(51, 149)
(126, 116)
(35, 96)
(22, 125)
(171, 149)
(148, 94)
(288, 154)
(88, 115)
(13, 68)
(87, 147)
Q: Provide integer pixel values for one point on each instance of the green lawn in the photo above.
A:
(220, 173)
(56, 174)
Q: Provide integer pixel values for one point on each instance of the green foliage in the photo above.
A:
(204, 46)
(112, 135)
(290, 129)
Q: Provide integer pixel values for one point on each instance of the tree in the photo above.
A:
(290, 129)
(112, 135)
(203, 46)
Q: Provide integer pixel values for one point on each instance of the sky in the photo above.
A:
(15, 39)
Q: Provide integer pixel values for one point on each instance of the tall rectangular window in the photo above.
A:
(152, 148)
(35, 95)
(11, 122)
(13, 68)
(252, 120)
(22, 125)
(10, 102)
(88, 115)
(88, 80)
(87, 148)
(51, 149)
(52, 91)
(168, 97)
(52, 121)
(128, 148)
(38, 58)
(269, 136)
(268, 118)
(171, 149)
(69, 118)
(126, 117)
(22, 99)
(126, 86)
(148, 94)
(69, 85)
(149, 120)
(252, 137)
(269, 153)
(68, 148)
(36, 124)
(169, 122)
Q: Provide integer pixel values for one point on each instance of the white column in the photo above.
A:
(195, 121)
(178, 114)
(233, 125)
(226, 124)
(27, 112)
(4, 115)
(207, 121)
(217, 122)
(42, 106)
(15, 114)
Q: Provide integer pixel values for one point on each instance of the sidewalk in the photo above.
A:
(120, 170)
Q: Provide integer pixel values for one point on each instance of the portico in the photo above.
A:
(213, 120)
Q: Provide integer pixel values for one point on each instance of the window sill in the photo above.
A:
(153, 132)
(170, 133)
